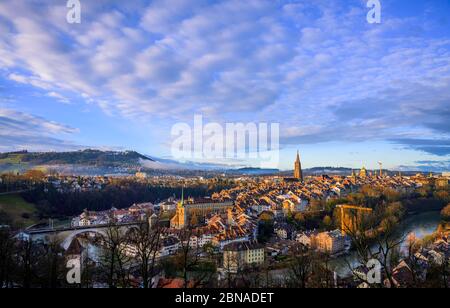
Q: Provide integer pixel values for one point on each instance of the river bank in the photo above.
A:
(421, 224)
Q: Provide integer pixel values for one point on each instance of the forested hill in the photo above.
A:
(85, 157)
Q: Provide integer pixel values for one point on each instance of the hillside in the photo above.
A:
(20, 161)
(96, 162)
(21, 212)
(85, 157)
(253, 171)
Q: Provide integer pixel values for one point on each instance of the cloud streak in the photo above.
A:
(23, 131)
(319, 68)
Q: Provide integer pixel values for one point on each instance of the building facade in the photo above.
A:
(363, 172)
(205, 206)
(330, 242)
(180, 219)
(442, 182)
(237, 256)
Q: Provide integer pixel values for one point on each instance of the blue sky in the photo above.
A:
(345, 92)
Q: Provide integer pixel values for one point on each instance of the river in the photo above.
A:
(421, 225)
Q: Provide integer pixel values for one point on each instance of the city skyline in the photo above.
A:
(345, 92)
(224, 151)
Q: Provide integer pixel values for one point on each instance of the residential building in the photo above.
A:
(169, 247)
(141, 175)
(306, 238)
(285, 231)
(207, 205)
(442, 182)
(330, 242)
(237, 256)
(76, 253)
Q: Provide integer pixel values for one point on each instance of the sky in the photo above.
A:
(345, 92)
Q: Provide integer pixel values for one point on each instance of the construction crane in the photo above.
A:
(381, 168)
(348, 218)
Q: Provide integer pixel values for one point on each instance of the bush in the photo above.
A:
(265, 231)
(327, 222)
(5, 218)
(445, 213)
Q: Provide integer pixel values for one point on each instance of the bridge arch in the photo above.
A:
(73, 234)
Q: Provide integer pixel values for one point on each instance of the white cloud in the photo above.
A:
(20, 130)
(59, 97)
(305, 64)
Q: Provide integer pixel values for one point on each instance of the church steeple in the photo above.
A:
(298, 174)
(179, 220)
(182, 196)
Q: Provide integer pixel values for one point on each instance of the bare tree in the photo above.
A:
(323, 276)
(250, 276)
(444, 271)
(28, 254)
(89, 271)
(25, 262)
(146, 240)
(375, 238)
(6, 257)
(300, 267)
(413, 247)
(265, 270)
(115, 261)
(51, 263)
(231, 266)
(197, 270)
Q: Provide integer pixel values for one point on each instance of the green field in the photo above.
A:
(12, 159)
(13, 163)
(22, 213)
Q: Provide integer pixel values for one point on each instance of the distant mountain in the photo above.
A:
(253, 171)
(328, 170)
(187, 165)
(96, 162)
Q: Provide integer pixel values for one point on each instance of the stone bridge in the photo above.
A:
(66, 235)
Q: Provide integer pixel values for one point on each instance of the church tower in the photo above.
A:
(180, 218)
(363, 172)
(298, 174)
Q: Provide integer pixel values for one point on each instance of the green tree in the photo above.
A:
(266, 217)
(327, 222)
(442, 195)
(445, 213)
(265, 231)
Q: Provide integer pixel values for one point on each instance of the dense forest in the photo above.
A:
(55, 204)
(85, 157)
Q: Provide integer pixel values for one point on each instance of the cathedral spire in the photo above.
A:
(182, 196)
(298, 174)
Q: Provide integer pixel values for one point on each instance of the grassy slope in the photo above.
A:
(15, 206)
(12, 159)
(12, 163)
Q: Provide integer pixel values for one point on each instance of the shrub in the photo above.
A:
(445, 213)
